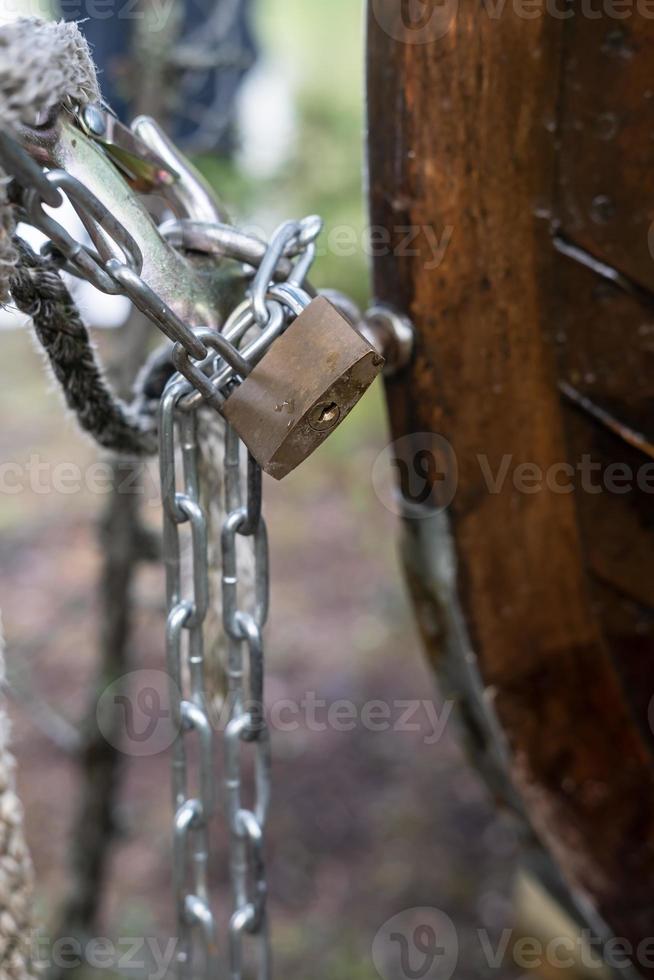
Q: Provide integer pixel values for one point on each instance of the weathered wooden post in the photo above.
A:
(524, 133)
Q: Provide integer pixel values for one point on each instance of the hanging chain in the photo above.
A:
(194, 807)
(253, 325)
(208, 365)
(247, 722)
(185, 660)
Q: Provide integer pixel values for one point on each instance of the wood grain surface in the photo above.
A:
(493, 130)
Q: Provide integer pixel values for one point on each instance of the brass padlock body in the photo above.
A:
(304, 386)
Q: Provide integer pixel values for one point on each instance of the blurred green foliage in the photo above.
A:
(319, 47)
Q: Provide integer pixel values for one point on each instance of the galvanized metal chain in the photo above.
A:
(246, 722)
(113, 263)
(193, 806)
(209, 364)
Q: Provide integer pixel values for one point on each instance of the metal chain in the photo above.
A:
(185, 654)
(185, 659)
(247, 722)
(114, 265)
(208, 365)
(268, 311)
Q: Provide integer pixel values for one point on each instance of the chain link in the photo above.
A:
(207, 364)
(193, 808)
(114, 267)
(187, 609)
(243, 629)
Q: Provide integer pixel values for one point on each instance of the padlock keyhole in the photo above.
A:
(324, 416)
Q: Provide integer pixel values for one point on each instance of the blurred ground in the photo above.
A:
(363, 824)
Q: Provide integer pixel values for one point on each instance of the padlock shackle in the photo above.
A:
(303, 232)
(291, 296)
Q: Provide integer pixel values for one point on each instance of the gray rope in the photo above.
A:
(38, 290)
(42, 64)
(8, 254)
(16, 872)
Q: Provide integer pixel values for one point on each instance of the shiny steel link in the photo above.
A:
(147, 301)
(220, 240)
(194, 794)
(102, 225)
(114, 262)
(208, 365)
(247, 722)
(16, 161)
(195, 373)
(265, 274)
(263, 308)
(193, 807)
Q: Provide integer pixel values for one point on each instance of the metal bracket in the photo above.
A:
(141, 167)
(190, 288)
(392, 334)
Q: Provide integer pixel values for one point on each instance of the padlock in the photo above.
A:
(307, 382)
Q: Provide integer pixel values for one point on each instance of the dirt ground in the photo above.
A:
(363, 824)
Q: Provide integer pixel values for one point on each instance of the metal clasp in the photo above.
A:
(196, 290)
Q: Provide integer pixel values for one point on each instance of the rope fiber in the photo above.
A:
(42, 64)
(39, 291)
(16, 873)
